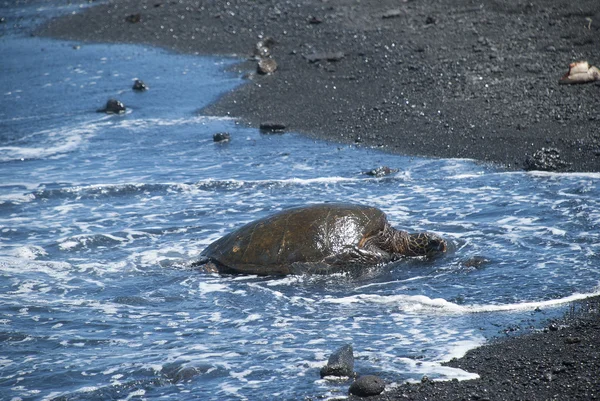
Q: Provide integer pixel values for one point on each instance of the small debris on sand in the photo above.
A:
(580, 72)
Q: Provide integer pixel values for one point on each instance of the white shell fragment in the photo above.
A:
(580, 72)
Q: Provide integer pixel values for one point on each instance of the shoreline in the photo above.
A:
(555, 364)
(443, 80)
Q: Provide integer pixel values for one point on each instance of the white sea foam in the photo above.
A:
(206, 288)
(56, 142)
(421, 303)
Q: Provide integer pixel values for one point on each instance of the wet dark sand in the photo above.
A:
(450, 78)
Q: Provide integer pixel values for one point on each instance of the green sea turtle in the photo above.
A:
(322, 238)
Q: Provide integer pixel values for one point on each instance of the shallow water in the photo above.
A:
(101, 217)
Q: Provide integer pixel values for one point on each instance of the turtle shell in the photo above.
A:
(305, 235)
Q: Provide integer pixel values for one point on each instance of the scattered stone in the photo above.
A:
(553, 327)
(315, 20)
(366, 386)
(139, 85)
(340, 363)
(266, 66)
(134, 18)
(113, 106)
(545, 159)
(572, 340)
(262, 49)
(327, 56)
(272, 127)
(221, 137)
(430, 20)
(393, 13)
(381, 171)
(2, 20)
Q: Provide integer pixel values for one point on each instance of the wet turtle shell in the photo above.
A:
(321, 238)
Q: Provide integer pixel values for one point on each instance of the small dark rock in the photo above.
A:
(545, 159)
(315, 20)
(381, 171)
(553, 327)
(430, 20)
(134, 18)
(327, 56)
(572, 340)
(272, 127)
(221, 137)
(139, 85)
(366, 386)
(340, 363)
(2, 20)
(266, 66)
(113, 106)
(262, 48)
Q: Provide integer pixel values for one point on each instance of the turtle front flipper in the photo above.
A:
(351, 258)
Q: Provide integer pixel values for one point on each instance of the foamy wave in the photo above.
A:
(135, 125)
(56, 142)
(416, 303)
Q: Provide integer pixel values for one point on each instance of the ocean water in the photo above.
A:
(102, 216)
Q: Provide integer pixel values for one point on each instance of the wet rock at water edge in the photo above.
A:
(340, 363)
(266, 66)
(545, 159)
(366, 386)
(272, 127)
(381, 171)
(113, 106)
(221, 137)
(139, 86)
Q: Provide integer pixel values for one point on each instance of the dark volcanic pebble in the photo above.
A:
(266, 66)
(113, 106)
(221, 137)
(340, 363)
(366, 386)
(545, 159)
(271, 126)
(139, 85)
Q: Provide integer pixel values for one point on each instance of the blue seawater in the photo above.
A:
(102, 216)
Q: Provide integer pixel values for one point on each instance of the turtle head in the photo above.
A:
(424, 244)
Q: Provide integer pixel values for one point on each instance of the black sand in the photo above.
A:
(449, 78)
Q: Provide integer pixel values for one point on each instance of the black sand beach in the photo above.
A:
(448, 78)
(444, 79)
